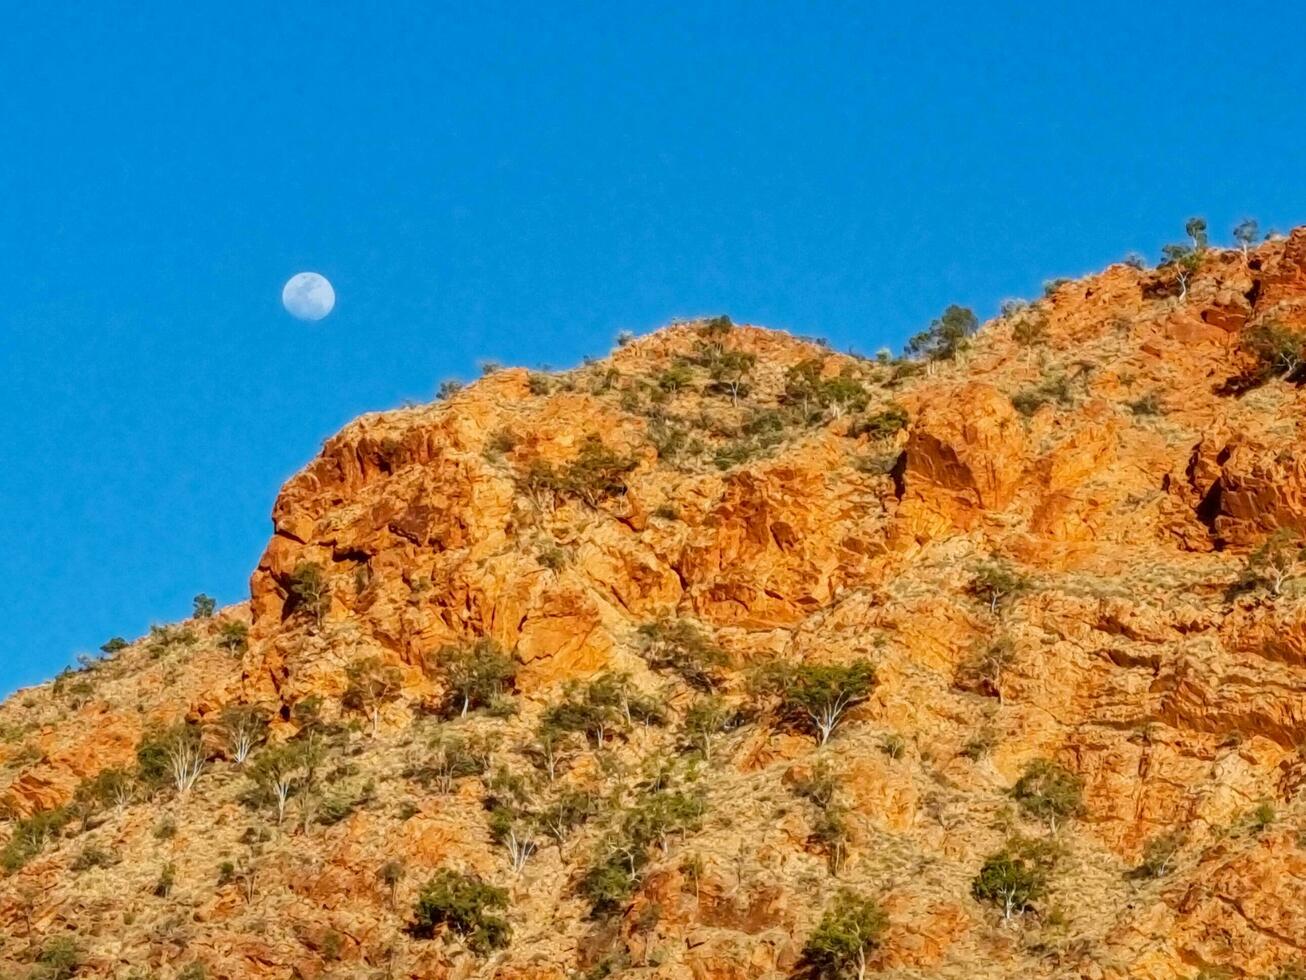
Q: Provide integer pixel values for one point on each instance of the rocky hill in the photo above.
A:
(731, 656)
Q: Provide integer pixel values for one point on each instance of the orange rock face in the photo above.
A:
(1110, 450)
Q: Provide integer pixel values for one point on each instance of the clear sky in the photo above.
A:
(519, 182)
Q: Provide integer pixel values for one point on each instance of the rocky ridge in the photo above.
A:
(1053, 546)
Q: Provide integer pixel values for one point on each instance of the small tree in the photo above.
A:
(279, 771)
(1015, 877)
(830, 824)
(707, 718)
(203, 607)
(816, 696)
(372, 685)
(593, 710)
(58, 959)
(683, 647)
(1159, 854)
(309, 590)
(113, 645)
(993, 582)
(474, 676)
(1195, 228)
(1245, 234)
(981, 673)
(1049, 792)
(390, 875)
(113, 787)
(1278, 558)
(243, 727)
(550, 750)
(596, 472)
(233, 636)
(1184, 261)
(186, 757)
(945, 337)
(730, 371)
(455, 757)
(849, 931)
(465, 905)
(567, 811)
(514, 818)
(1277, 351)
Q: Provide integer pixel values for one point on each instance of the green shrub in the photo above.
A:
(829, 825)
(674, 378)
(849, 930)
(1159, 853)
(1049, 791)
(390, 875)
(624, 853)
(993, 582)
(809, 392)
(729, 372)
(604, 706)
(595, 474)
(1051, 390)
(58, 959)
(113, 645)
(473, 675)
(893, 745)
(203, 606)
(1269, 567)
(884, 424)
(233, 636)
(707, 718)
(163, 885)
(30, 835)
(466, 906)
(1147, 405)
(93, 856)
(1030, 328)
(454, 757)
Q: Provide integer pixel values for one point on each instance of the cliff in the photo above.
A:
(1070, 549)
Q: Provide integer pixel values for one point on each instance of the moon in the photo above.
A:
(308, 296)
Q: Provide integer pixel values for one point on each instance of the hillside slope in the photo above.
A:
(561, 621)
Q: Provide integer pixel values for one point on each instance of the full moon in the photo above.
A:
(308, 296)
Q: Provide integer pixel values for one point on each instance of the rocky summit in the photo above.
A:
(732, 656)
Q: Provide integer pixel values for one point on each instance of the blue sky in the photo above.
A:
(519, 182)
